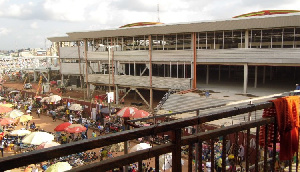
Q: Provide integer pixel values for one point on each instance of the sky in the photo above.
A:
(28, 24)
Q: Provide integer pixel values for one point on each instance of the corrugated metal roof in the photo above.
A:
(230, 24)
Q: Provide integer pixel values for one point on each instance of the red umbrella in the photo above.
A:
(7, 121)
(141, 114)
(127, 112)
(4, 109)
(62, 126)
(78, 129)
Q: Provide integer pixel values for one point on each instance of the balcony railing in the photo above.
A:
(177, 141)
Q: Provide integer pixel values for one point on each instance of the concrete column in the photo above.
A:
(255, 77)
(246, 38)
(229, 72)
(219, 72)
(34, 75)
(245, 78)
(117, 94)
(62, 80)
(86, 69)
(134, 69)
(264, 75)
(207, 74)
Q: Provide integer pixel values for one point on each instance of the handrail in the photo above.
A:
(19, 160)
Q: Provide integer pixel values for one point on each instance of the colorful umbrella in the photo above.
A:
(78, 129)
(25, 118)
(141, 114)
(7, 121)
(62, 126)
(59, 167)
(37, 138)
(4, 109)
(47, 145)
(127, 112)
(54, 98)
(6, 105)
(19, 132)
(14, 114)
(75, 107)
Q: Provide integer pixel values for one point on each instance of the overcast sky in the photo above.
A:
(27, 24)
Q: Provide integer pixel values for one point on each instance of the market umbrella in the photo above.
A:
(4, 109)
(59, 167)
(6, 105)
(7, 121)
(47, 145)
(141, 114)
(127, 112)
(37, 138)
(14, 114)
(62, 126)
(75, 107)
(165, 161)
(140, 146)
(45, 99)
(54, 98)
(25, 118)
(19, 132)
(75, 129)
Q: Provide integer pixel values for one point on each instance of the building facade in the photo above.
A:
(180, 56)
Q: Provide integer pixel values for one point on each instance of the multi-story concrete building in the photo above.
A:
(251, 51)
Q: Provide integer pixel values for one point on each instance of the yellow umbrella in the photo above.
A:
(25, 118)
(59, 167)
(14, 114)
(6, 105)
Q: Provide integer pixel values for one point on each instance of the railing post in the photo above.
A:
(266, 148)
(212, 152)
(224, 153)
(257, 149)
(190, 160)
(247, 150)
(176, 153)
(156, 163)
(200, 156)
(274, 146)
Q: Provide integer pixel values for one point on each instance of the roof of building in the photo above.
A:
(256, 22)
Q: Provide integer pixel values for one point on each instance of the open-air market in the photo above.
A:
(219, 95)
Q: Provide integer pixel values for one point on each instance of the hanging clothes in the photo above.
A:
(286, 111)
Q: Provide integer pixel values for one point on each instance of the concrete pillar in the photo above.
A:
(117, 94)
(246, 38)
(207, 74)
(134, 69)
(34, 76)
(219, 72)
(62, 80)
(245, 78)
(255, 77)
(86, 69)
(264, 75)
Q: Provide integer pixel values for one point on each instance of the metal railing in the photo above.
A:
(177, 141)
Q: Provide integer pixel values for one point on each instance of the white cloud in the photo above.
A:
(34, 25)
(67, 10)
(4, 31)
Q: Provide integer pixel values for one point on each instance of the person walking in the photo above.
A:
(38, 111)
